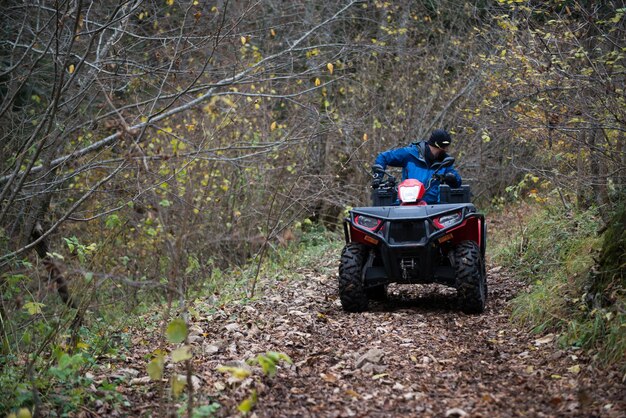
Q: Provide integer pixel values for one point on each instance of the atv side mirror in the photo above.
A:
(447, 162)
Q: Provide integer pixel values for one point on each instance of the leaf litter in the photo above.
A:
(415, 354)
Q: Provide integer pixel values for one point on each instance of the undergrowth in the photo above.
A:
(307, 251)
(39, 367)
(576, 276)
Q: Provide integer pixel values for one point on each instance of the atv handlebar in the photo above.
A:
(378, 178)
(379, 181)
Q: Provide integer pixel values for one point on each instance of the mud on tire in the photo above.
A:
(351, 291)
(470, 277)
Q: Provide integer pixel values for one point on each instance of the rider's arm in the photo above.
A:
(395, 158)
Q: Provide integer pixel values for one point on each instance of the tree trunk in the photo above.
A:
(582, 187)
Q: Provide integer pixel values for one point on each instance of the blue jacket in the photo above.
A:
(414, 166)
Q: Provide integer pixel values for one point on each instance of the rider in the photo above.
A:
(416, 161)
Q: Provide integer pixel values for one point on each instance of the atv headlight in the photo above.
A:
(410, 191)
(447, 221)
(367, 222)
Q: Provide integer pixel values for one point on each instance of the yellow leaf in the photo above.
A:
(181, 354)
(243, 40)
(170, 2)
(33, 308)
(272, 32)
(248, 403)
(273, 126)
(364, 137)
(330, 67)
(155, 368)
(236, 372)
(71, 68)
(575, 369)
(178, 385)
(24, 413)
(317, 82)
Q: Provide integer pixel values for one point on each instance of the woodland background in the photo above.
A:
(149, 147)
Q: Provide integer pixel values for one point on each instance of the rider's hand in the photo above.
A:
(377, 175)
(450, 179)
(378, 178)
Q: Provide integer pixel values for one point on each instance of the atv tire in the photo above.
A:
(351, 291)
(470, 277)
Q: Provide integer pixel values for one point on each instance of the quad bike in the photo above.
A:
(414, 242)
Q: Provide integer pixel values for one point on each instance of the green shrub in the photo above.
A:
(572, 293)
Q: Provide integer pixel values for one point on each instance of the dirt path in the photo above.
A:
(415, 355)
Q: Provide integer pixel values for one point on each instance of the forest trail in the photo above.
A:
(414, 355)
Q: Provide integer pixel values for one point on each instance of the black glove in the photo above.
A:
(377, 174)
(450, 179)
(376, 181)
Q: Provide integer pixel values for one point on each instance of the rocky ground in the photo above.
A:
(414, 355)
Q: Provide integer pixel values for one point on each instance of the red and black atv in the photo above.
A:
(414, 242)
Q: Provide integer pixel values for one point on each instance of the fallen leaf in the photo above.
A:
(140, 380)
(487, 397)
(352, 393)
(329, 377)
(574, 369)
(232, 327)
(544, 340)
(456, 412)
(236, 372)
